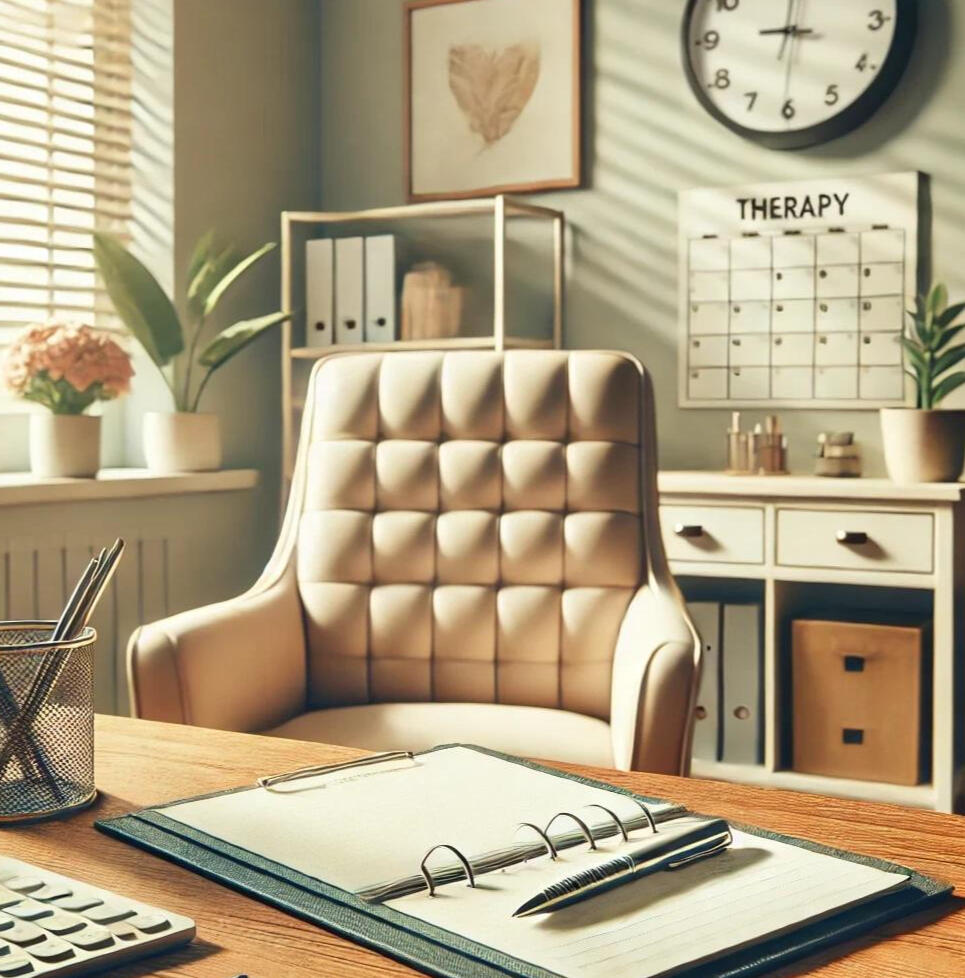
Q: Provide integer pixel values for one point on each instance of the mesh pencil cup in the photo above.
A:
(46, 721)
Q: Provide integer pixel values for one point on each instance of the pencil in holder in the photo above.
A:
(46, 721)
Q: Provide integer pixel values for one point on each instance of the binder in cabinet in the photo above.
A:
(742, 652)
(319, 292)
(349, 293)
(706, 617)
(342, 847)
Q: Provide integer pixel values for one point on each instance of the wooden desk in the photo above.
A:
(141, 763)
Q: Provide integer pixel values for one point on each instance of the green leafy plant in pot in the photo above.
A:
(185, 440)
(927, 443)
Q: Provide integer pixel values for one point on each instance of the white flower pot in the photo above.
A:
(182, 442)
(64, 445)
(923, 446)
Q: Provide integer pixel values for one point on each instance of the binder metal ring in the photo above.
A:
(616, 820)
(584, 828)
(646, 811)
(427, 876)
(550, 848)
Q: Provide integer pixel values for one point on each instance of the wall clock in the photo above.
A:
(795, 73)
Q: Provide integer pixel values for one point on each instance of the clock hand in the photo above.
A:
(793, 30)
(788, 20)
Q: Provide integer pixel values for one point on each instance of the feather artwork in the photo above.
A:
(492, 87)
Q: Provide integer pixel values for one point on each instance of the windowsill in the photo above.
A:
(19, 488)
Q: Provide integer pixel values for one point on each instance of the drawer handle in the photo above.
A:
(689, 530)
(854, 663)
(851, 536)
(851, 735)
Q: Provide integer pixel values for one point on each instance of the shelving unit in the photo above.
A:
(785, 552)
(299, 226)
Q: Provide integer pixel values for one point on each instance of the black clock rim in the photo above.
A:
(849, 118)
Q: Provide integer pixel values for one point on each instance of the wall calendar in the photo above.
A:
(793, 294)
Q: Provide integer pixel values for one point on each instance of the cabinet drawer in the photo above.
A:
(855, 540)
(724, 534)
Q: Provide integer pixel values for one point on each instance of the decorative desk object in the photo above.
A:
(926, 443)
(46, 703)
(839, 456)
(857, 549)
(492, 97)
(431, 303)
(66, 368)
(792, 294)
(186, 440)
(861, 700)
(762, 451)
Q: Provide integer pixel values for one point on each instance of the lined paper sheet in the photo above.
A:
(360, 827)
(659, 924)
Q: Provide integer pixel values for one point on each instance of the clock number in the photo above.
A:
(787, 109)
(751, 99)
(727, 4)
(862, 62)
(831, 96)
(721, 79)
(709, 41)
(878, 20)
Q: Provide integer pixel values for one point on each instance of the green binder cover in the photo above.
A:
(446, 954)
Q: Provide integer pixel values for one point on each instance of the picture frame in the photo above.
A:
(492, 97)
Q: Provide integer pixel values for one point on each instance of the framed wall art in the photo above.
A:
(492, 97)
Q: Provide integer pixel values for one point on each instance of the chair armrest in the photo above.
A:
(656, 668)
(235, 665)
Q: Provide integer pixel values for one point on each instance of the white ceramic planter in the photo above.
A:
(182, 442)
(923, 446)
(64, 445)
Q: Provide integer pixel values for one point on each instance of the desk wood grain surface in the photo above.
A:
(140, 763)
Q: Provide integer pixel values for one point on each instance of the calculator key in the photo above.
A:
(16, 963)
(52, 891)
(24, 884)
(23, 933)
(150, 923)
(123, 932)
(52, 949)
(107, 913)
(91, 938)
(62, 923)
(29, 910)
(77, 903)
(8, 897)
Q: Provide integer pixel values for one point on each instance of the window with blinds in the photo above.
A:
(65, 155)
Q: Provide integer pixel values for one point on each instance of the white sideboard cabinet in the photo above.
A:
(812, 547)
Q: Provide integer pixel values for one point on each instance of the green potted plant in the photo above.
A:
(184, 440)
(927, 443)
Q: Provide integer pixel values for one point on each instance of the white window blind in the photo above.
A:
(65, 155)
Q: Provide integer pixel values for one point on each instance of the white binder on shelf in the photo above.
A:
(742, 654)
(349, 291)
(380, 307)
(706, 617)
(319, 292)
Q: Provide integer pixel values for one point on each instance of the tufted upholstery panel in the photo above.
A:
(471, 527)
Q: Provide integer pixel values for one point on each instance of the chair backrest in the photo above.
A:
(470, 525)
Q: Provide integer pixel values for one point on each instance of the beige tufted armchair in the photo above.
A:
(470, 553)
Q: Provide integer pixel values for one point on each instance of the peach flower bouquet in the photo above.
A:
(66, 367)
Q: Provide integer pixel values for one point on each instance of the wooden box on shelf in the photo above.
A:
(860, 700)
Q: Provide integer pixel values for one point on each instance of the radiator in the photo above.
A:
(36, 575)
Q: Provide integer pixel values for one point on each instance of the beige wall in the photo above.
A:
(246, 95)
(647, 138)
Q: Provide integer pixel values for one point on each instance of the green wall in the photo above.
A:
(646, 139)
